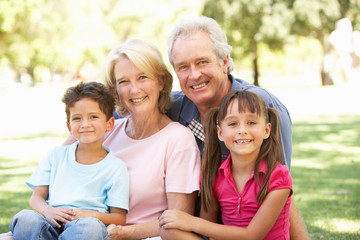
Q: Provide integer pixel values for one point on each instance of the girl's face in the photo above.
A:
(243, 132)
(138, 92)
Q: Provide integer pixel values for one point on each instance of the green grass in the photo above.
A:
(326, 175)
(18, 159)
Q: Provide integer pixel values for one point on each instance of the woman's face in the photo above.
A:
(137, 92)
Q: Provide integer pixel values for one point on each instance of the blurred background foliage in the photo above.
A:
(277, 23)
(42, 40)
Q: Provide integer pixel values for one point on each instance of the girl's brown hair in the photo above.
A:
(270, 149)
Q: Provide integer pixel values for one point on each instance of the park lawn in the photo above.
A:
(326, 175)
(325, 170)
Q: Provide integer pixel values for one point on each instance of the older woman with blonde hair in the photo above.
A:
(162, 157)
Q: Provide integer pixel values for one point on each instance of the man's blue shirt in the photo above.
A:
(183, 110)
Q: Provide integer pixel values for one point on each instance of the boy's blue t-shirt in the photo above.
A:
(72, 185)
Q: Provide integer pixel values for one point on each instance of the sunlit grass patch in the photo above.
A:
(325, 170)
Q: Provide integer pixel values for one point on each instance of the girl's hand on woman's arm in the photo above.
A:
(182, 202)
(259, 226)
(177, 219)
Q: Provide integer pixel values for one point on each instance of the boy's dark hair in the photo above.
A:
(93, 90)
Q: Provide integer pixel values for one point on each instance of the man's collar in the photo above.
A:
(237, 84)
(191, 108)
(190, 112)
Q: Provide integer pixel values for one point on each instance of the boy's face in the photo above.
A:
(87, 122)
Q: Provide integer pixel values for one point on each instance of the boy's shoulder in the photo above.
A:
(115, 162)
(62, 149)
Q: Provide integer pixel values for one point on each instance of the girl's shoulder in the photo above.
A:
(280, 178)
(280, 171)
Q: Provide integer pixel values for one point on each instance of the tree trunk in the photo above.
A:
(326, 78)
(256, 67)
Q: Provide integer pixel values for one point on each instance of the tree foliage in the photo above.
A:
(271, 22)
(316, 19)
(65, 35)
(249, 23)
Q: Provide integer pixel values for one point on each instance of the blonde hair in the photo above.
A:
(146, 57)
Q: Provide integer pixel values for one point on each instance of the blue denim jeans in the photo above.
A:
(29, 225)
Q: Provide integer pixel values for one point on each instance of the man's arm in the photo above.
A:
(297, 225)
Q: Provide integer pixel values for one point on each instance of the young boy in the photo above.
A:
(81, 188)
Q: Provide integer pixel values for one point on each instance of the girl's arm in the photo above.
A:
(55, 215)
(184, 203)
(116, 216)
(259, 226)
(180, 201)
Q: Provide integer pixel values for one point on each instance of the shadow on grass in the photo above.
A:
(325, 171)
(321, 234)
(11, 203)
(345, 128)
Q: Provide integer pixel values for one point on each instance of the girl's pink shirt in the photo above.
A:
(239, 209)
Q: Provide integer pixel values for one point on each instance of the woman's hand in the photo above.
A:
(176, 219)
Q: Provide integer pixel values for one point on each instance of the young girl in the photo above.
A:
(252, 187)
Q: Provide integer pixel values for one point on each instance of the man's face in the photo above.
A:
(202, 77)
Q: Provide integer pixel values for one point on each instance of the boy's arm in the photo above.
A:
(55, 215)
(116, 216)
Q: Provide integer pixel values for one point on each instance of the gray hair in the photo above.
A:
(189, 26)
